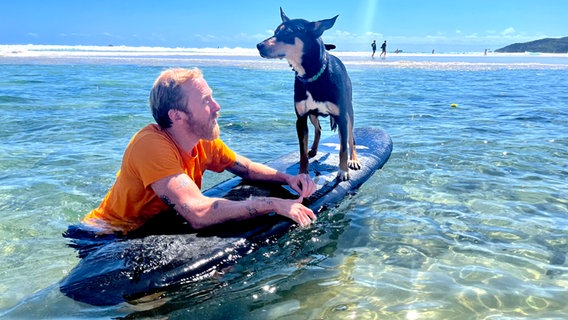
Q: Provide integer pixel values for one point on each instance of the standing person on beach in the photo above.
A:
(374, 48)
(384, 50)
(163, 164)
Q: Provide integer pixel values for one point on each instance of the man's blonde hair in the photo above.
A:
(166, 93)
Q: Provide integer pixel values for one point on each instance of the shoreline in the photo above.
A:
(58, 54)
(8, 50)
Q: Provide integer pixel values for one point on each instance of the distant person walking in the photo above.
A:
(384, 50)
(374, 47)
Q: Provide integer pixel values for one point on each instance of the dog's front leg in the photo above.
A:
(317, 134)
(302, 131)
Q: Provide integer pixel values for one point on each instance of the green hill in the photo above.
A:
(548, 45)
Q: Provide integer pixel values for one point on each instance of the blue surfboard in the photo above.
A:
(122, 269)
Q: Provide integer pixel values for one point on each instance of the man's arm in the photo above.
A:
(245, 168)
(183, 195)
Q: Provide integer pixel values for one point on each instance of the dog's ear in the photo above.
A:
(283, 15)
(318, 27)
(329, 46)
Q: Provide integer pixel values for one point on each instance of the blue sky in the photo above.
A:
(409, 25)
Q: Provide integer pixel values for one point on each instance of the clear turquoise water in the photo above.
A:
(468, 219)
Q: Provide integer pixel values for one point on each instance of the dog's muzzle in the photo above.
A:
(263, 49)
(267, 49)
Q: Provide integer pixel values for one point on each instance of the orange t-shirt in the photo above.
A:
(152, 155)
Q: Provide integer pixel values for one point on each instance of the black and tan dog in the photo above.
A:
(321, 88)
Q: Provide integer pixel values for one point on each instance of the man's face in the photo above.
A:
(203, 110)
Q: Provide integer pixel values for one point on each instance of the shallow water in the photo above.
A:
(468, 219)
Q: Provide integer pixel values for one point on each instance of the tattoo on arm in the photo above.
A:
(182, 185)
(252, 211)
(167, 201)
(241, 166)
(240, 169)
(185, 208)
(264, 199)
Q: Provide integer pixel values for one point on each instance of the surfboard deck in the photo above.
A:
(124, 269)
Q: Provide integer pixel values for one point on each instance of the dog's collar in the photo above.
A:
(314, 78)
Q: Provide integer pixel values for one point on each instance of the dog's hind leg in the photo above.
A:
(353, 161)
(317, 135)
(343, 173)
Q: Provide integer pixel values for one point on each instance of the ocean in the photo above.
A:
(467, 220)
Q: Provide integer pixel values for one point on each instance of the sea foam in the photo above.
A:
(249, 57)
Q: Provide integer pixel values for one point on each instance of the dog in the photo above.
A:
(322, 86)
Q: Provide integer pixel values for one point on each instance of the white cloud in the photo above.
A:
(509, 31)
(206, 38)
(32, 34)
(341, 34)
(261, 36)
(437, 37)
(373, 34)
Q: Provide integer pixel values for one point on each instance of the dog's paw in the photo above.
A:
(342, 175)
(312, 153)
(354, 165)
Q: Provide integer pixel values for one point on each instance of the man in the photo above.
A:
(163, 164)
(374, 48)
(383, 50)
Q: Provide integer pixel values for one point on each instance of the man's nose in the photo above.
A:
(216, 106)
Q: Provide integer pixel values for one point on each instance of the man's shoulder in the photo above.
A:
(151, 131)
(150, 139)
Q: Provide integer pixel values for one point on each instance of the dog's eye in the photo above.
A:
(285, 35)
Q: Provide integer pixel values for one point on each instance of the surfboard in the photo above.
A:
(125, 269)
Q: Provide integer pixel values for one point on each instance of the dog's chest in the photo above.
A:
(310, 106)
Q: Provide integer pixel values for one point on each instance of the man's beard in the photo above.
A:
(215, 132)
(209, 131)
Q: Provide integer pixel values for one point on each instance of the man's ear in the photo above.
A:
(174, 115)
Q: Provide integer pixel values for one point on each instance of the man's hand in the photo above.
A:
(302, 184)
(295, 210)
